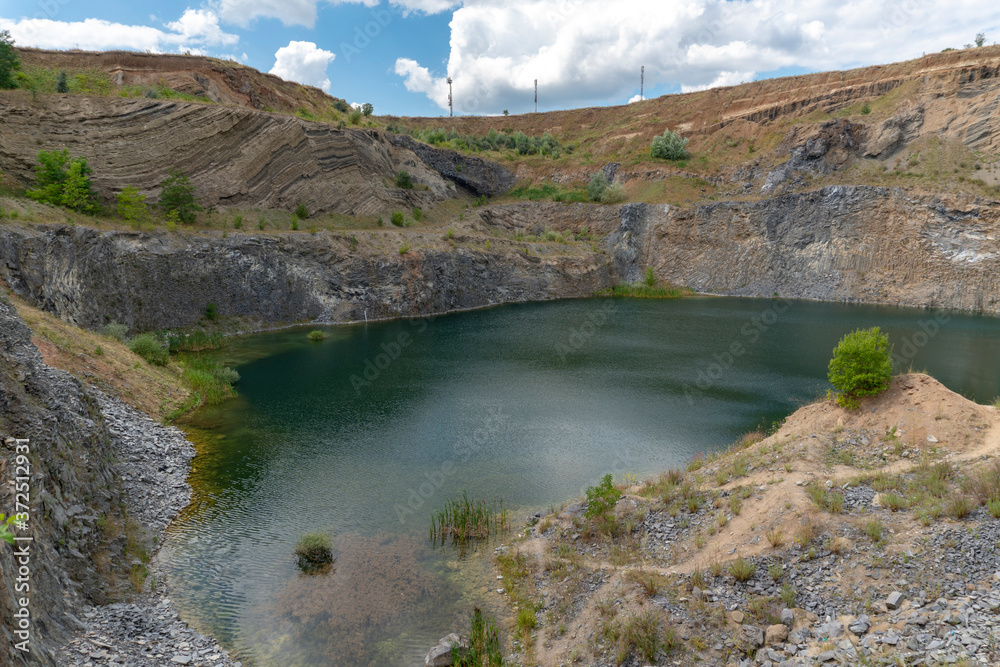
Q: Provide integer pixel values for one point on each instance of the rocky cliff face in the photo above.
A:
(838, 243)
(235, 156)
(151, 281)
(72, 485)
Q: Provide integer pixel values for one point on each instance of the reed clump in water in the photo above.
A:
(464, 520)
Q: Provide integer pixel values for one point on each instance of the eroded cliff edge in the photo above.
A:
(844, 243)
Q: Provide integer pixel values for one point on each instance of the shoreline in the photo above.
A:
(154, 462)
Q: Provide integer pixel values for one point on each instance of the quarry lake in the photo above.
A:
(364, 434)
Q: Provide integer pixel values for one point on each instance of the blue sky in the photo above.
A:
(583, 52)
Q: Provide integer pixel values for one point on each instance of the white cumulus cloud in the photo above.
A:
(304, 12)
(195, 30)
(303, 62)
(582, 51)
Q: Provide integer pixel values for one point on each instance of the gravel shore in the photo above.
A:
(153, 462)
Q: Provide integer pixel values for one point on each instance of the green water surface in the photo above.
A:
(364, 434)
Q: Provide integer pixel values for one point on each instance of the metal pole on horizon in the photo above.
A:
(451, 110)
(536, 95)
(642, 83)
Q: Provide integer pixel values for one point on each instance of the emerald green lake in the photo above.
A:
(364, 434)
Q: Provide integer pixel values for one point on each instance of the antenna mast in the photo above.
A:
(451, 111)
(536, 95)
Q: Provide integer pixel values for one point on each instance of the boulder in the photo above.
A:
(775, 634)
(442, 655)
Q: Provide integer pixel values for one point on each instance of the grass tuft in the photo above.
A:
(464, 520)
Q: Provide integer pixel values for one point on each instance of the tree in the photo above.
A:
(861, 366)
(980, 39)
(9, 61)
(62, 85)
(50, 174)
(63, 180)
(76, 192)
(177, 195)
(367, 109)
(131, 204)
(669, 146)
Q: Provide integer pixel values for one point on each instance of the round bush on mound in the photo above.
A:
(861, 366)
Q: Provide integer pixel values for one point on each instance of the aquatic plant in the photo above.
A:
(463, 519)
(484, 643)
(314, 549)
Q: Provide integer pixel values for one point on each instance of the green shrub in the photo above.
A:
(211, 311)
(314, 549)
(194, 341)
(149, 347)
(132, 205)
(403, 249)
(62, 85)
(601, 498)
(404, 180)
(861, 366)
(418, 215)
(177, 196)
(649, 280)
(355, 117)
(301, 212)
(316, 336)
(115, 330)
(866, 109)
(669, 146)
(397, 218)
(613, 194)
(598, 184)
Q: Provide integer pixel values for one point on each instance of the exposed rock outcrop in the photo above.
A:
(72, 484)
(824, 148)
(151, 281)
(480, 177)
(236, 156)
(841, 243)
